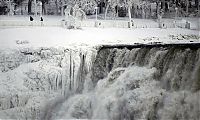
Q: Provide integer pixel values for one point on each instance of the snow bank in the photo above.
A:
(60, 37)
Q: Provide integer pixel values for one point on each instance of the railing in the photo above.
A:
(93, 23)
(28, 23)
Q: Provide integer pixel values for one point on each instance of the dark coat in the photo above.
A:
(41, 19)
(31, 18)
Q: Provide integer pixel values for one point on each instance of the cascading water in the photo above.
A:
(139, 83)
(157, 82)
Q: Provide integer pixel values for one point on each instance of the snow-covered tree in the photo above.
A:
(43, 5)
(125, 3)
(87, 6)
(129, 4)
(112, 4)
(19, 3)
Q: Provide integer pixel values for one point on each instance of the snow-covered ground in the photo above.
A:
(61, 37)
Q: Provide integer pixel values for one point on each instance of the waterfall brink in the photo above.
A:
(176, 66)
(130, 83)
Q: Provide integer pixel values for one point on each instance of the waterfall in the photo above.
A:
(139, 83)
(118, 82)
(176, 66)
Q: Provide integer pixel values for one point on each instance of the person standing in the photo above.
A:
(41, 21)
(31, 20)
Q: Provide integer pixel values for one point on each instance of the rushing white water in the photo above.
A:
(115, 97)
(130, 84)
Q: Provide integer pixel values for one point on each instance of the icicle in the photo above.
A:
(63, 81)
(57, 81)
(73, 72)
(70, 71)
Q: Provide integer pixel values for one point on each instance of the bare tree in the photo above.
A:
(56, 2)
(112, 4)
(43, 6)
(19, 3)
(29, 6)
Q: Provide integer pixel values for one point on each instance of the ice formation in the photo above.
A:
(110, 83)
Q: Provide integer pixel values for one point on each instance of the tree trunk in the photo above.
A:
(143, 12)
(10, 8)
(162, 4)
(106, 11)
(187, 6)
(21, 8)
(157, 9)
(62, 7)
(129, 15)
(197, 4)
(62, 11)
(56, 2)
(29, 6)
(43, 8)
(116, 12)
(35, 7)
(100, 7)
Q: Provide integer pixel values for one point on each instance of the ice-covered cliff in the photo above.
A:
(33, 79)
(118, 82)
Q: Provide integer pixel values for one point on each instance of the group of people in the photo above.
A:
(31, 19)
(41, 20)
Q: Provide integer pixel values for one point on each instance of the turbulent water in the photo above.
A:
(113, 83)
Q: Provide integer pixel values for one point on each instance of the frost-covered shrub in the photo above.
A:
(10, 59)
